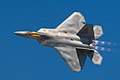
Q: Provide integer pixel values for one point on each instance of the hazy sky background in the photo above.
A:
(25, 59)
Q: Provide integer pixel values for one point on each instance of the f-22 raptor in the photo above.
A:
(72, 39)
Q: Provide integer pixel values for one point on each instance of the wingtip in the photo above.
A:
(77, 70)
(80, 14)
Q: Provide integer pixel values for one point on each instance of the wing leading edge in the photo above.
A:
(72, 24)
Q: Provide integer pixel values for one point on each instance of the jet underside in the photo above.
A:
(72, 39)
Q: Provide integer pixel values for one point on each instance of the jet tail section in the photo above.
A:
(95, 57)
(89, 33)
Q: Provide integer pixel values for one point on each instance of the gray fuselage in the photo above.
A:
(53, 38)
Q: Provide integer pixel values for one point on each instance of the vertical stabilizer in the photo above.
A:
(81, 56)
(86, 34)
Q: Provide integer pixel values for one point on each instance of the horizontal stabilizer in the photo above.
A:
(94, 56)
(97, 31)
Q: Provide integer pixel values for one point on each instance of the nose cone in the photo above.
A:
(27, 34)
(20, 33)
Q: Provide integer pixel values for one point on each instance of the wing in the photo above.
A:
(72, 24)
(69, 55)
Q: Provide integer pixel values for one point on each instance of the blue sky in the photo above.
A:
(25, 59)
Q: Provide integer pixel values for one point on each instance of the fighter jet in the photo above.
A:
(72, 39)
